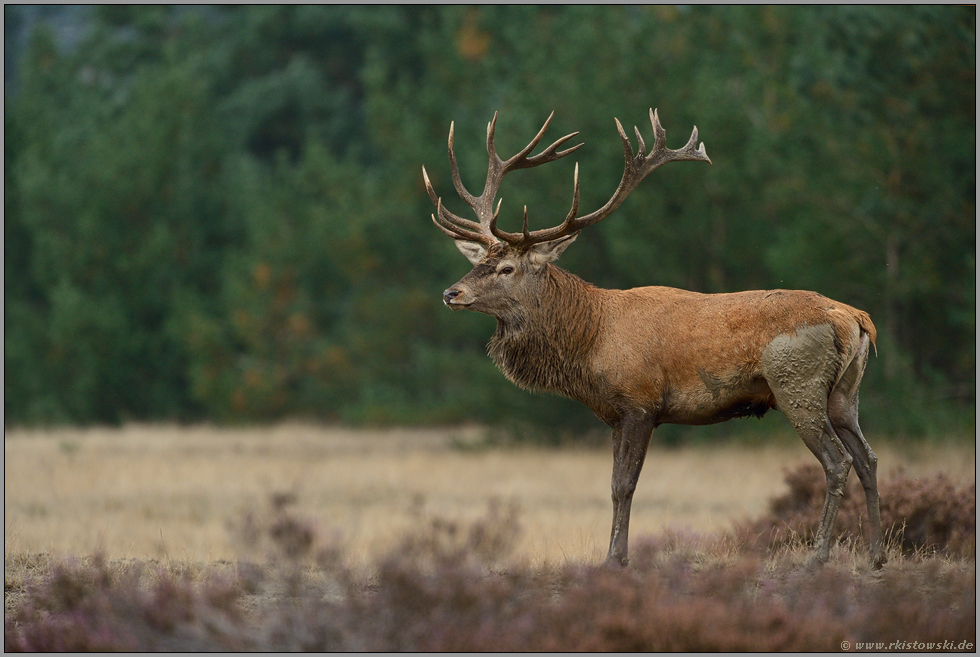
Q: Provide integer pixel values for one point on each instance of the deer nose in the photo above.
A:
(449, 295)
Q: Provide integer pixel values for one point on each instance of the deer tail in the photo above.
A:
(867, 326)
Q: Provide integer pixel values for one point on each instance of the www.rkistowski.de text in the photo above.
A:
(908, 645)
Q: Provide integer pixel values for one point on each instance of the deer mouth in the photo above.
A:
(451, 298)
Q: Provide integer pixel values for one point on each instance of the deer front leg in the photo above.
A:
(631, 437)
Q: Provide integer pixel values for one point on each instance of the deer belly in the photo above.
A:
(717, 399)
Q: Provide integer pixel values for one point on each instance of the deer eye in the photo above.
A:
(507, 270)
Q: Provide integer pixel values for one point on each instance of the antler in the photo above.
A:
(637, 168)
(485, 229)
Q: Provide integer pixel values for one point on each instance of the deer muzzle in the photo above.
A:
(449, 298)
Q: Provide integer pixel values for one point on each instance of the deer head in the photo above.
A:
(507, 267)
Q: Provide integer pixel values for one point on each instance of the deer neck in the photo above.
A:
(545, 343)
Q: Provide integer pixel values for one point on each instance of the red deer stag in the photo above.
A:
(653, 355)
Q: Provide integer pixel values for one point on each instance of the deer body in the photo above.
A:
(654, 355)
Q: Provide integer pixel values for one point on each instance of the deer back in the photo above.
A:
(696, 358)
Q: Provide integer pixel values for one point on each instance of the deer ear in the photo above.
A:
(474, 251)
(546, 252)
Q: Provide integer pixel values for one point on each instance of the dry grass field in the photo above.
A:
(177, 493)
(299, 537)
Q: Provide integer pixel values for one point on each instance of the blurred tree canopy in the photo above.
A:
(218, 213)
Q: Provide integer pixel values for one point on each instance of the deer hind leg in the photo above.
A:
(631, 438)
(843, 410)
(818, 435)
(800, 369)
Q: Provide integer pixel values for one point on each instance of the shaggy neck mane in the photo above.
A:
(545, 345)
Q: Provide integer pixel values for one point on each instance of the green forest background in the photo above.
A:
(217, 214)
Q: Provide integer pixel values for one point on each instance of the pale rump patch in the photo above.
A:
(803, 366)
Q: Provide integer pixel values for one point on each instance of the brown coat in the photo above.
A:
(684, 357)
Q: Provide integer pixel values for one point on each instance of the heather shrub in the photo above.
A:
(453, 586)
(91, 605)
(683, 592)
(931, 513)
(918, 515)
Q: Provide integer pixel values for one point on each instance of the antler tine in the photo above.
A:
(639, 140)
(428, 186)
(454, 169)
(659, 134)
(466, 227)
(575, 197)
(452, 225)
(459, 234)
(452, 233)
(549, 154)
(491, 128)
(627, 147)
(493, 221)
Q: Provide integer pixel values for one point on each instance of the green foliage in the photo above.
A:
(218, 213)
